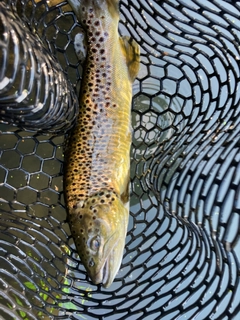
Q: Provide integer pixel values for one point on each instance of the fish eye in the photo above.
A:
(95, 243)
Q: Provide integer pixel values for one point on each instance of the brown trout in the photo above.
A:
(98, 154)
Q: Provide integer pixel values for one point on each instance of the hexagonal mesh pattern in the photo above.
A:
(34, 91)
(182, 249)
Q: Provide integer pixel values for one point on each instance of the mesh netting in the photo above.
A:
(34, 91)
(181, 259)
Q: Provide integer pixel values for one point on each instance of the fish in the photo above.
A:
(97, 158)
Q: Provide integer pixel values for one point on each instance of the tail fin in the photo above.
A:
(84, 8)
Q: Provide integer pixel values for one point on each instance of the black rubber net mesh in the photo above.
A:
(181, 259)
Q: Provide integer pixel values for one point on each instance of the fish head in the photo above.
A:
(99, 228)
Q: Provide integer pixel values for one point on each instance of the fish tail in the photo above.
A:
(82, 8)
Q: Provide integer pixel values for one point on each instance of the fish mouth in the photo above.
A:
(103, 276)
(107, 271)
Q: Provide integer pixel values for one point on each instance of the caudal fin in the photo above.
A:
(84, 8)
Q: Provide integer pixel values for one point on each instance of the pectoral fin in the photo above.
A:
(131, 52)
(126, 190)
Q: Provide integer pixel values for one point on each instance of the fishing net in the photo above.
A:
(181, 259)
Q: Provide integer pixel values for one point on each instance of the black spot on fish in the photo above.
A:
(91, 263)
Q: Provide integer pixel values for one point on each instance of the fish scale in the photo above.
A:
(98, 154)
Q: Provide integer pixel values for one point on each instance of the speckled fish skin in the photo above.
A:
(98, 155)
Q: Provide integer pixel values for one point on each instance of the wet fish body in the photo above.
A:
(98, 154)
